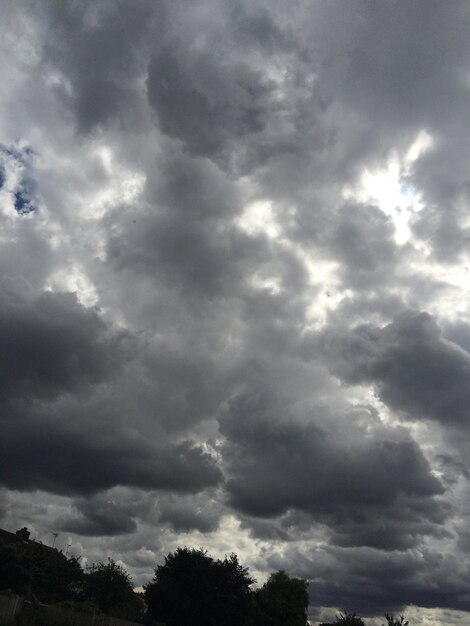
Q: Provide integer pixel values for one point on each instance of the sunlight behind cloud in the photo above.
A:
(387, 188)
(258, 217)
(72, 279)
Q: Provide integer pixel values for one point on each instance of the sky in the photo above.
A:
(234, 290)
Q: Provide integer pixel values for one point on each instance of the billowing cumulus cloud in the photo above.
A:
(234, 273)
(325, 470)
(415, 369)
(74, 339)
(226, 103)
(99, 517)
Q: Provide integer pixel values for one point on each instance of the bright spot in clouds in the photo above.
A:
(389, 190)
(259, 218)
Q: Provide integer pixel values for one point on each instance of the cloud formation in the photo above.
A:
(233, 289)
(416, 371)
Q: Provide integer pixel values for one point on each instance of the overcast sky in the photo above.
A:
(234, 289)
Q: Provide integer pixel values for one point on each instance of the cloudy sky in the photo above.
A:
(234, 289)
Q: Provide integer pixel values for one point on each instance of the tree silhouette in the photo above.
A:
(108, 585)
(13, 574)
(193, 589)
(42, 571)
(282, 601)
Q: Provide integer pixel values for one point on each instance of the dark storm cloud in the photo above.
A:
(4, 503)
(52, 344)
(398, 526)
(362, 241)
(186, 516)
(96, 48)
(371, 582)
(99, 517)
(206, 102)
(183, 384)
(415, 370)
(370, 489)
(243, 106)
(61, 457)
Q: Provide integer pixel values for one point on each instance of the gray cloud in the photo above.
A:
(204, 102)
(98, 518)
(363, 242)
(66, 460)
(55, 347)
(371, 489)
(371, 582)
(78, 347)
(185, 516)
(416, 371)
(96, 49)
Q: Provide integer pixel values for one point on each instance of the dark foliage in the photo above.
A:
(41, 571)
(133, 608)
(110, 587)
(189, 589)
(193, 589)
(282, 601)
(47, 575)
(13, 574)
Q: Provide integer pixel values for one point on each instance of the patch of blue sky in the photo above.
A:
(22, 155)
(16, 176)
(23, 203)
